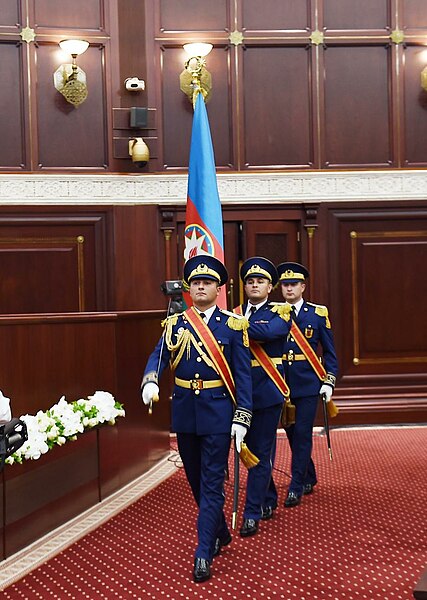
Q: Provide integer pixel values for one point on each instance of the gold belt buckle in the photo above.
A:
(196, 384)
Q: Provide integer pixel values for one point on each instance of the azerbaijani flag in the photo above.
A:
(203, 220)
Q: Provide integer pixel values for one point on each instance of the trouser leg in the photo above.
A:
(260, 439)
(205, 459)
(300, 437)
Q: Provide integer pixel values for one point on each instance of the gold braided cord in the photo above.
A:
(172, 319)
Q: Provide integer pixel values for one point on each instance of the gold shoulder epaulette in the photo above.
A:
(283, 309)
(238, 323)
(171, 320)
(322, 311)
(319, 309)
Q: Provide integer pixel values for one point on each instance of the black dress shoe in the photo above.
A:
(267, 513)
(202, 570)
(220, 542)
(292, 500)
(308, 489)
(249, 527)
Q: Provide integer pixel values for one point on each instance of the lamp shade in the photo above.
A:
(74, 46)
(198, 49)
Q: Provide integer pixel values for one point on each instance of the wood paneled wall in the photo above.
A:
(365, 261)
(315, 84)
(312, 84)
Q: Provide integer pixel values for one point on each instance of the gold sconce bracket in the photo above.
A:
(195, 77)
(69, 79)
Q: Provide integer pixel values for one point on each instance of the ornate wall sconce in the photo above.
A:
(195, 76)
(69, 79)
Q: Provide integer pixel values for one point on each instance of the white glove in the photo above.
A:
(327, 390)
(238, 432)
(5, 414)
(150, 392)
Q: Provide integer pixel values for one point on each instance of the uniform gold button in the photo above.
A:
(197, 392)
(199, 359)
(196, 375)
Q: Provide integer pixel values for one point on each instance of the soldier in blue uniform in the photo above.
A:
(259, 276)
(302, 376)
(208, 350)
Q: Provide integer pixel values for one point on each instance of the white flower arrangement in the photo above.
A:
(63, 421)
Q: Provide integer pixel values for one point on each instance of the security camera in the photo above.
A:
(134, 84)
(139, 152)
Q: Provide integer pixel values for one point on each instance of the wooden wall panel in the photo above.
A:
(79, 14)
(186, 15)
(178, 110)
(9, 13)
(42, 496)
(40, 275)
(414, 14)
(69, 136)
(356, 83)
(277, 118)
(58, 355)
(399, 256)
(139, 258)
(380, 255)
(276, 240)
(364, 14)
(415, 107)
(287, 14)
(53, 262)
(12, 149)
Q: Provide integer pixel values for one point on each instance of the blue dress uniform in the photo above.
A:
(267, 399)
(313, 322)
(202, 408)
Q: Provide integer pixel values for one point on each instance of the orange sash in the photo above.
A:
(266, 363)
(213, 349)
(308, 351)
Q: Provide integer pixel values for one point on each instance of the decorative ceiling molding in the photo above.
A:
(246, 188)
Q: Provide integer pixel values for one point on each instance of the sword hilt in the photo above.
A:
(155, 398)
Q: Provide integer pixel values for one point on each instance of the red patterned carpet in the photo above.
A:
(360, 536)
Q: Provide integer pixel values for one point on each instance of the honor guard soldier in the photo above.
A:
(259, 276)
(212, 397)
(306, 376)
